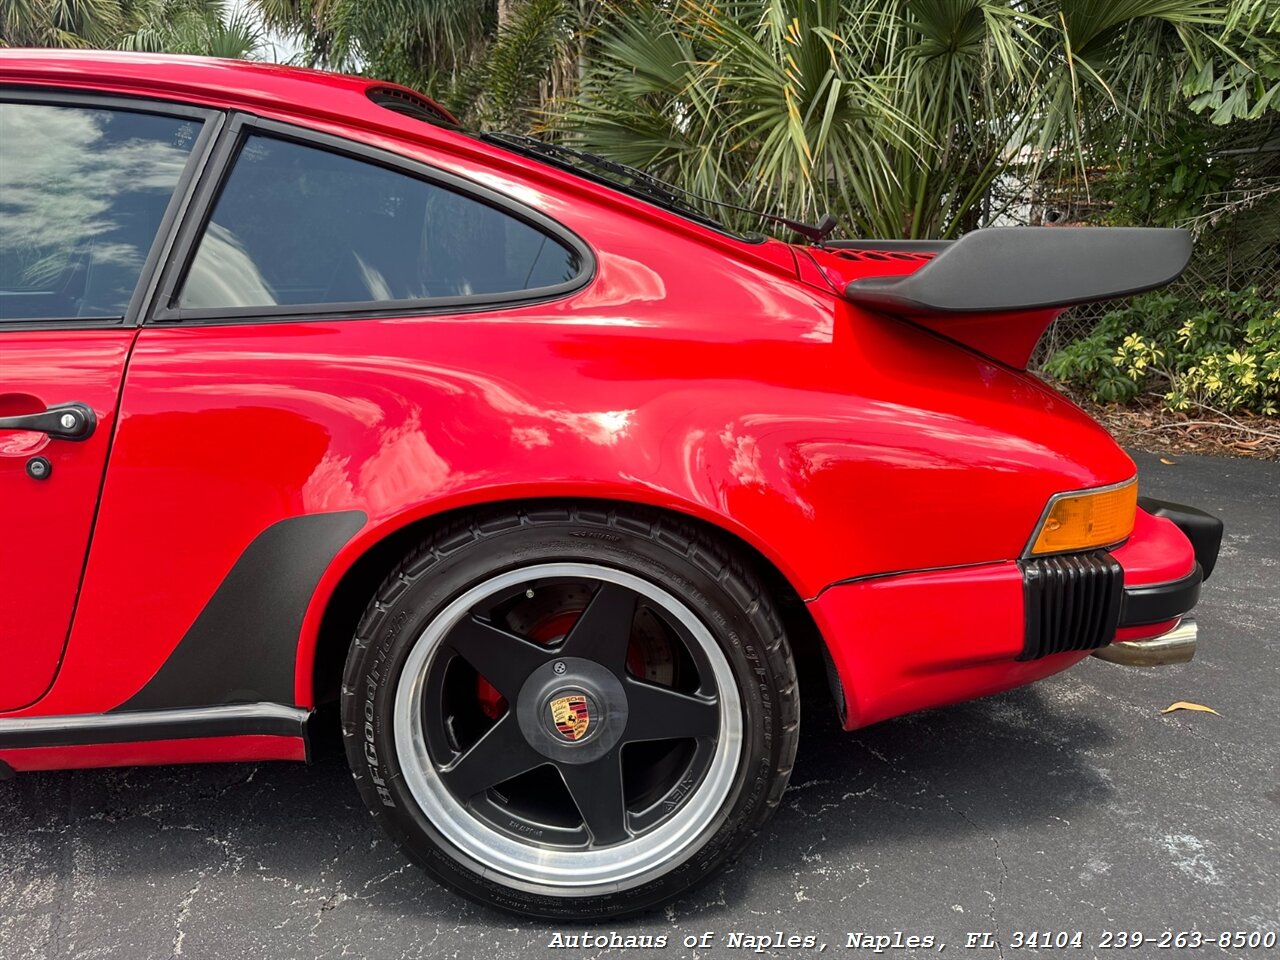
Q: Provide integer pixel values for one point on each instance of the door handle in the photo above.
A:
(66, 421)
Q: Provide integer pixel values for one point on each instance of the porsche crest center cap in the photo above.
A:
(572, 714)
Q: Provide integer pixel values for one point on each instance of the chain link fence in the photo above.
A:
(1237, 246)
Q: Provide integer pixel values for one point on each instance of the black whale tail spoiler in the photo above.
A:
(997, 289)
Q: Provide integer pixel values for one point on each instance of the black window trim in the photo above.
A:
(164, 309)
(183, 193)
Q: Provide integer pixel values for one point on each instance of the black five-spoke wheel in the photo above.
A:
(573, 704)
(583, 732)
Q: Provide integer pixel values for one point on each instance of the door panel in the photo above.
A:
(85, 188)
(45, 523)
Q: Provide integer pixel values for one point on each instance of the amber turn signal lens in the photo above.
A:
(1091, 518)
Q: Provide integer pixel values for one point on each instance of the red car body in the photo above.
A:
(887, 477)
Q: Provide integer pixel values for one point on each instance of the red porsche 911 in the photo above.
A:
(538, 475)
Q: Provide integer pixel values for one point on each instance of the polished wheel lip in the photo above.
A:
(498, 856)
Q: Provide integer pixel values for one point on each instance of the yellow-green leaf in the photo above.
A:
(1187, 705)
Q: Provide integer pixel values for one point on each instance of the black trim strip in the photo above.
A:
(244, 125)
(902, 573)
(227, 720)
(1162, 601)
(1204, 530)
(889, 246)
(243, 646)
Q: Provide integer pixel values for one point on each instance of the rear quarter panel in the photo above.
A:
(229, 429)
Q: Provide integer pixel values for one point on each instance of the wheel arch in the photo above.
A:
(335, 613)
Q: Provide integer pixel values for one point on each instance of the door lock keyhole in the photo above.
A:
(39, 468)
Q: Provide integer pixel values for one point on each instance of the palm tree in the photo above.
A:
(157, 26)
(898, 115)
(60, 23)
(536, 58)
(1249, 87)
(424, 43)
(201, 27)
(495, 62)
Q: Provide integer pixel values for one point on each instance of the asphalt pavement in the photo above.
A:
(1070, 806)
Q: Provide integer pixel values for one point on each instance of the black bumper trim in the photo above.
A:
(1070, 602)
(1161, 601)
(225, 720)
(1204, 530)
(6, 771)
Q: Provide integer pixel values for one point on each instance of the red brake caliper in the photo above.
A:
(494, 704)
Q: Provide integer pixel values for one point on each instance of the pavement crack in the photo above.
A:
(184, 914)
(993, 912)
(328, 905)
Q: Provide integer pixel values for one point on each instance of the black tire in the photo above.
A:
(681, 561)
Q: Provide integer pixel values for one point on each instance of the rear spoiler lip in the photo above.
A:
(1024, 269)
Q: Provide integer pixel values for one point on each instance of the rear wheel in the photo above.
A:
(571, 713)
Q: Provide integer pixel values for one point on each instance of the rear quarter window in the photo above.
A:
(298, 225)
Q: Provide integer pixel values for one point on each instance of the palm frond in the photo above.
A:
(536, 35)
(897, 114)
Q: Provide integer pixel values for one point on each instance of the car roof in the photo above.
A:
(300, 94)
(214, 81)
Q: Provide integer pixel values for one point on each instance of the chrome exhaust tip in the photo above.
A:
(1176, 646)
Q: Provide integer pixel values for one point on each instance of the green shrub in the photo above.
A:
(1168, 182)
(1220, 349)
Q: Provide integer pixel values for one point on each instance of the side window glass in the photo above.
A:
(296, 225)
(82, 194)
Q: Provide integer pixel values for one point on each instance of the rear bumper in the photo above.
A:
(1154, 629)
(1202, 530)
(1161, 602)
(911, 641)
(1153, 606)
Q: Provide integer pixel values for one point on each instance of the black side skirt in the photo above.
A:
(225, 720)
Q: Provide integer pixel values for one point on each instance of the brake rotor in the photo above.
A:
(549, 615)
